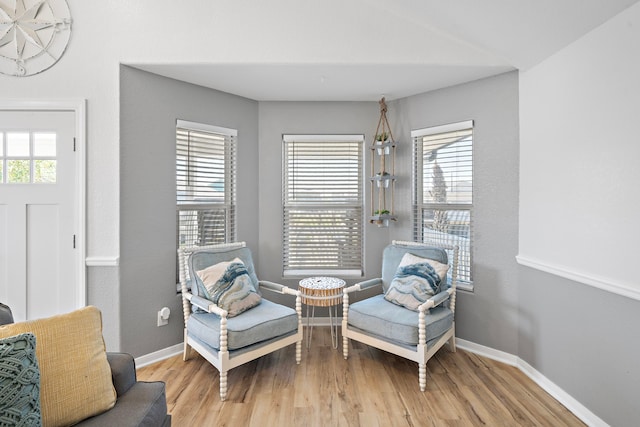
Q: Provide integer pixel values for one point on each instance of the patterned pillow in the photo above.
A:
(232, 290)
(440, 268)
(19, 381)
(416, 280)
(210, 276)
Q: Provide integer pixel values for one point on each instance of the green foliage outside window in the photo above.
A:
(18, 171)
(44, 171)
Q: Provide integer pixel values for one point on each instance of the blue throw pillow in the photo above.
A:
(19, 382)
(413, 284)
(233, 291)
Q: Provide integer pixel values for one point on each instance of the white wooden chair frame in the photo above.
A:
(221, 359)
(421, 354)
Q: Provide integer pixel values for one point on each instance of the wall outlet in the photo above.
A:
(163, 316)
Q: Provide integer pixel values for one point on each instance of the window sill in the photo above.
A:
(466, 286)
(292, 274)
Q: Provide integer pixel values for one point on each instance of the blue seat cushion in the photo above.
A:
(265, 321)
(392, 322)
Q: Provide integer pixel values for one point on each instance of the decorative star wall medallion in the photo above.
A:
(33, 35)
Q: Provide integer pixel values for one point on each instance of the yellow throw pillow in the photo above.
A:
(75, 377)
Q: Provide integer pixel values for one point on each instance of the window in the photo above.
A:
(443, 190)
(205, 184)
(322, 204)
(28, 157)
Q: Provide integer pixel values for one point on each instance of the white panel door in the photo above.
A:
(38, 219)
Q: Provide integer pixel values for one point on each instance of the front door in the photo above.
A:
(38, 215)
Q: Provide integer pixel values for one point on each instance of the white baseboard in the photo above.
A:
(159, 355)
(488, 352)
(578, 409)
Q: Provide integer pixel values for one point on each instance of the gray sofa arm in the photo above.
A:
(123, 371)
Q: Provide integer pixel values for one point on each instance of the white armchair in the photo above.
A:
(224, 341)
(415, 335)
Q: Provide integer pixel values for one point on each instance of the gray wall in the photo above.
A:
(149, 107)
(489, 315)
(584, 340)
(103, 292)
(278, 118)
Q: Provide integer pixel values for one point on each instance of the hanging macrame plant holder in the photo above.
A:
(383, 158)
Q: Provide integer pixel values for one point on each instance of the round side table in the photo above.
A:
(322, 291)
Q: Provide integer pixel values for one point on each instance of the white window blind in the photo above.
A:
(443, 190)
(322, 204)
(205, 184)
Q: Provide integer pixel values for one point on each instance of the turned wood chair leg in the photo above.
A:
(345, 320)
(186, 351)
(223, 386)
(345, 347)
(422, 375)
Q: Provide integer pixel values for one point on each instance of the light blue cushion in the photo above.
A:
(263, 322)
(393, 254)
(19, 381)
(244, 350)
(378, 316)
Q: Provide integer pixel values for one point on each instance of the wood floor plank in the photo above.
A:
(370, 388)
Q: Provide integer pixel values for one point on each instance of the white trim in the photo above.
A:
(206, 128)
(578, 409)
(451, 127)
(488, 352)
(79, 108)
(323, 138)
(159, 355)
(102, 261)
(587, 279)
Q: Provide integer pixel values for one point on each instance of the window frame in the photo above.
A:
(348, 268)
(38, 174)
(420, 206)
(228, 205)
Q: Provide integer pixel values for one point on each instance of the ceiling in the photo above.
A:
(432, 44)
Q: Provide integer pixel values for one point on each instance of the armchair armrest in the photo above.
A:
(360, 286)
(204, 304)
(436, 300)
(277, 287)
(123, 371)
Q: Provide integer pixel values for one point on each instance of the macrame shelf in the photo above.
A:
(383, 159)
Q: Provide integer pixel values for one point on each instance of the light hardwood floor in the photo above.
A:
(371, 388)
